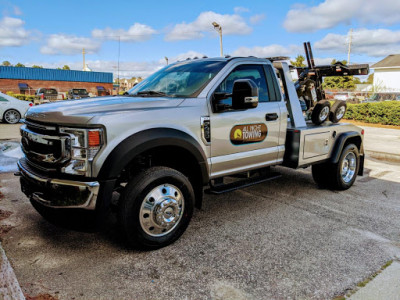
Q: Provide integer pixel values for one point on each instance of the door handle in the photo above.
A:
(271, 117)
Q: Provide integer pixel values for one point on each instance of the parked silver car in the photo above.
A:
(12, 109)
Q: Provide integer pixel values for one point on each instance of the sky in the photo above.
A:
(140, 34)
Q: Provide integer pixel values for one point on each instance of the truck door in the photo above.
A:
(250, 138)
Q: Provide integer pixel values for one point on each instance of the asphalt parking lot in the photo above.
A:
(284, 239)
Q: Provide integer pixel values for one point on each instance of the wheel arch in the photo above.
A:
(343, 140)
(166, 147)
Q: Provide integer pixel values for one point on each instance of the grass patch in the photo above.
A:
(367, 280)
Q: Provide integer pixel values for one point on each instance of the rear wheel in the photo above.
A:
(320, 112)
(341, 175)
(11, 116)
(156, 208)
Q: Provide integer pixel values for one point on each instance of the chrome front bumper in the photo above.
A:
(57, 193)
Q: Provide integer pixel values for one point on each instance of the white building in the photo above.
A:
(387, 74)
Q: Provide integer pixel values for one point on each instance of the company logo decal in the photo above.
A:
(249, 133)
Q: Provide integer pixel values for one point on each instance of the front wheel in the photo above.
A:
(156, 208)
(11, 116)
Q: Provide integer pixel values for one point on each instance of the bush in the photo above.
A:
(22, 96)
(387, 112)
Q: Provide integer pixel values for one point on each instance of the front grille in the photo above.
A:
(44, 148)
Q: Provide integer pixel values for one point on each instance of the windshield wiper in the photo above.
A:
(151, 93)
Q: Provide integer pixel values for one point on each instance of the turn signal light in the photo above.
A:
(94, 138)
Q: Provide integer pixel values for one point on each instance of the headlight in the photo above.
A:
(85, 144)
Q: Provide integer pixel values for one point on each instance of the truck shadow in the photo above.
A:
(295, 190)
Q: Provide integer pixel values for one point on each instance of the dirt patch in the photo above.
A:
(358, 123)
(4, 214)
(4, 229)
(41, 297)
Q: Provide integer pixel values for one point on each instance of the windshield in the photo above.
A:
(80, 92)
(50, 92)
(183, 79)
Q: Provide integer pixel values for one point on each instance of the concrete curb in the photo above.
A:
(9, 286)
(384, 286)
(389, 157)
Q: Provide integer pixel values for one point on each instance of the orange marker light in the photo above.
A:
(94, 138)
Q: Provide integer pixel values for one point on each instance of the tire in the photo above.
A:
(339, 176)
(338, 111)
(11, 116)
(320, 112)
(350, 157)
(155, 208)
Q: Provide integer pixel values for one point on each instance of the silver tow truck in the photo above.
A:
(211, 124)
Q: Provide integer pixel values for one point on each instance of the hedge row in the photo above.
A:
(387, 112)
(22, 96)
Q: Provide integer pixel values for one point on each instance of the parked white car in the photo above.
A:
(12, 109)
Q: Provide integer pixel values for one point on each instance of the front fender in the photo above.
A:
(145, 140)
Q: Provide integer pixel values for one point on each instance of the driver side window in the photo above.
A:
(252, 72)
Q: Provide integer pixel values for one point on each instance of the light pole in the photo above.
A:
(166, 59)
(218, 28)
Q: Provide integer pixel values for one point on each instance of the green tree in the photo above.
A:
(66, 67)
(298, 61)
(37, 67)
(19, 65)
(6, 63)
(339, 82)
(334, 61)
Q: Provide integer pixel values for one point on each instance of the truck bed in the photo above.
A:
(314, 143)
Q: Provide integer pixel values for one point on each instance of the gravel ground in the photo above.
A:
(283, 239)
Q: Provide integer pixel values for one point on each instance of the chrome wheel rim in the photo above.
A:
(161, 210)
(11, 116)
(324, 113)
(340, 112)
(349, 167)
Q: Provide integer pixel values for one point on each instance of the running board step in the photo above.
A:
(229, 187)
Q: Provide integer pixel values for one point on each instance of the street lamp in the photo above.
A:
(166, 59)
(218, 28)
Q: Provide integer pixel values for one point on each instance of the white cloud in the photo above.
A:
(69, 45)
(268, 51)
(13, 33)
(330, 13)
(375, 42)
(231, 24)
(322, 61)
(240, 9)
(136, 33)
(128, 69)
(256, 19)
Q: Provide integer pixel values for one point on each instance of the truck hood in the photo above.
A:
(81, 111)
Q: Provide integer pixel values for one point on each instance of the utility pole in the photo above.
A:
(218, 28)
(350, 41)
(83, 54)
(119, 53)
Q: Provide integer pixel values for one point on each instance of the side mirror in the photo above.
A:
(244, 94)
